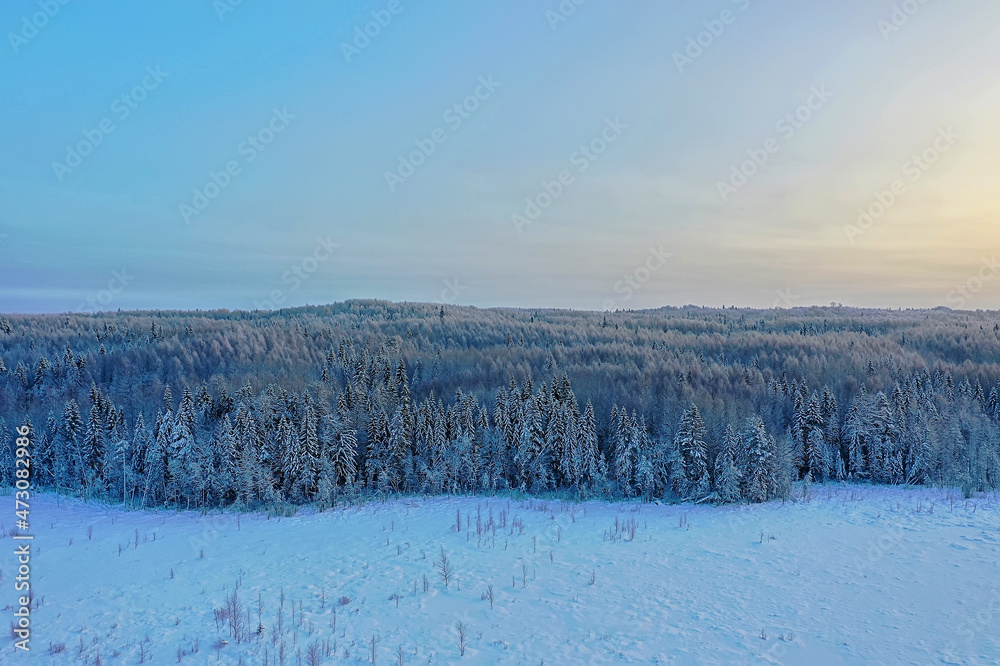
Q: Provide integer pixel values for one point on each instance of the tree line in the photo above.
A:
(676, 404)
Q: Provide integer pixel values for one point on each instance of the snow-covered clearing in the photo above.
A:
(854, 575)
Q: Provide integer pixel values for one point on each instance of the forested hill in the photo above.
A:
(305, 404)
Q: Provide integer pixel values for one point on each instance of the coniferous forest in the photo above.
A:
(320, 404)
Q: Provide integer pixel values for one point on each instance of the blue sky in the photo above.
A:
(657, 218)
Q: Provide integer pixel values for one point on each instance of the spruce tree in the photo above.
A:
(758, 482)
(690, 443)
(727, 475)
(69, 461)
(592, 466)
(225, 463)
(816, 458)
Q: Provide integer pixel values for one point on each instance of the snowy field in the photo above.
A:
(853, 575)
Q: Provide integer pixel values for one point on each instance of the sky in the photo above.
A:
(203, 154)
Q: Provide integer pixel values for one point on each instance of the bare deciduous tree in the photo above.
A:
(444, 567)
(463, 634)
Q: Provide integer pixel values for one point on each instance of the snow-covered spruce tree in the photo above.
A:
(379, 473)
(94, 443)
(44, 458)
(186, 412)
(530, 458)
(831, 424)
(68, 452)
(593, 467)
(784, 467)
(808, 418)
(155, 463)
(401, 447)
(6, 454)
(557, 441)
(117, 457)
(678, 482)
(344, 457)
(225, 464)
(882, 438)
(340, 440)
(181, 473)
(727, 476)
(690, 442)
(854, 435)
(142, 441)
(436, 423)
(284, 454)
(817, 459)
(645, 476)
(305, 486)
(624, 436)
(757, 478)
(252, 478)
(568, 465)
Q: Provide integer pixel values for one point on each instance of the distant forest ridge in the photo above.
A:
(308, 405)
